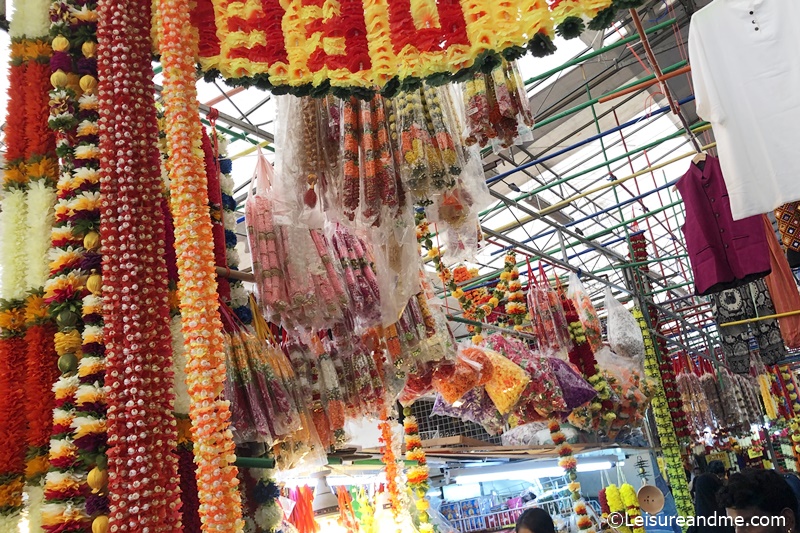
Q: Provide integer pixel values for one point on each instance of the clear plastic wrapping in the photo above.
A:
(586, 312)
(624, 333)
(547, 313)
(475, 406)
(507, 384)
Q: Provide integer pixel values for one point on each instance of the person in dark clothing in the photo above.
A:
(535, 521)
(706, 487)
(761, 493)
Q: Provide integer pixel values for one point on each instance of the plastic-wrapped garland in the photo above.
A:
(390, 189)
(711, 393)
(441, 136)
(581, 356)
(312, 162)
(351, 177)
(476, 101)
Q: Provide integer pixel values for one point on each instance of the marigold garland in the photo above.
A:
(220, 506)
(632, 509)
(134, 284)
(417, 475)
(569, 463)
(389, 460)
(616, 505)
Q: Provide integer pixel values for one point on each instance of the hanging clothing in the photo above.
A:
(742, 303)
(783, 289)
(788, 217)
(746, 79)
(723, 253)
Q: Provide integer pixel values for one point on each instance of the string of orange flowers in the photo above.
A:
(220, 504)
(143, 482)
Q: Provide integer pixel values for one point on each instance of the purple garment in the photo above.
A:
(724, 253)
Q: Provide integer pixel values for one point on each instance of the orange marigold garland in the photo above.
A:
(390, 462)
(143, 482)
(417, 475)
(569, 463)
(220, 505)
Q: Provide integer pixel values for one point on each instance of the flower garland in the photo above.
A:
(389, 460)
(239, 297)
(79, 425)
(581, 355)
(134, 281)
(28, 153)
(569, 463)
(517, 303)
(417, 475)
(616, 505)
(602, 498)
(674, 402)
(666, 432)
(214, 189)
(41, 175)
(220, 506)
(632, 509)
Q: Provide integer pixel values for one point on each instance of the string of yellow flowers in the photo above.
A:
(220, 505)
(666, 431)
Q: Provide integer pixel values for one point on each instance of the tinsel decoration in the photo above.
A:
(666, 432)
(220, 505)
(134, 279)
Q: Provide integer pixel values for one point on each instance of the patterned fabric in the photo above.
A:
(788, 216)
(741, 303)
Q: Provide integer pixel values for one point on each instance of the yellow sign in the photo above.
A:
(753, 453)
(305, 45)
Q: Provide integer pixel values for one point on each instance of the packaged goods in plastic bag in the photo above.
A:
(586, 311)
(507, 383)
(454, 380)
(576, 390)
(536, 434)
(542, 396)
(547, 315)
(475, 406)
(418, 384)
(624, 333)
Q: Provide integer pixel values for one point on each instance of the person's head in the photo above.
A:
(716, 468)
(696, 471)
(535, 521)
(760, 493)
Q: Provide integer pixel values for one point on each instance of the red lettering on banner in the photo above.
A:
(267, 20)
(452, 27)
(351, 26)
(204, 19)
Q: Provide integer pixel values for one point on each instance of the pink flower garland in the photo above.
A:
(143, 479)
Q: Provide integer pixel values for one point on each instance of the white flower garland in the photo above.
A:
(35, 503)
(31, 19)
(41, 199)
(13, 246)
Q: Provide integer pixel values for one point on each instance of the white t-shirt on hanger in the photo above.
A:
(745, 57)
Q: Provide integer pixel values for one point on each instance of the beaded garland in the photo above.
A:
(143, 482)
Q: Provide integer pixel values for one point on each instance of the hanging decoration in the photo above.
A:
(240, 302)
(666, 432)
(134, 275)
(418, 476)
(220, 506)
(389, 460)
(74, 116)
(616, 505)
(383, 43)
(28, 178)
(632, 509)
(569, 463)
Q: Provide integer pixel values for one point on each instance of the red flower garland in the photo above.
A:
(143, 482)
(674, 401)
(215, 205)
